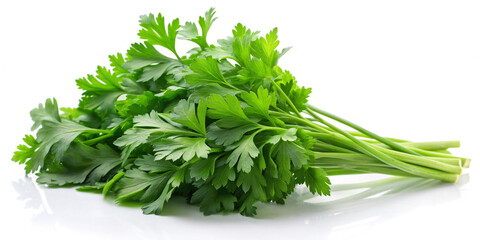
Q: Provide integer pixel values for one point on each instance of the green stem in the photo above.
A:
(359, 134)
(300, 126)
(331, 148)
(290, 103)
(413, 169)
(347, 164)
(231, 86)
(432, 146)
(465, 162)
(335, 140)
(422, 161)
(178, 57)
(348, 156)
(97, 139)
(428, 146)
(97, 131)
(432, 153)
(386, 141)
(300, 120)
(110, 133)
(447, 165)
(341, 171)
(360, 170)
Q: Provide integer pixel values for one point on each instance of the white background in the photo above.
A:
(407, 69)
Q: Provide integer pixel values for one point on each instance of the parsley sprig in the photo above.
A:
(224, 126)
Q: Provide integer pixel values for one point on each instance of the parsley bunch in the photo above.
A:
(224, 126)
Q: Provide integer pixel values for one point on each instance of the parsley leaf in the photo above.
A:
(203, 168)
(143, 54)
(139, 185)
(102, 91)
(243, 153)
(25, 152)
(154, 31)
(181, 147)
(317, 181)
(147, 163)
(259, 103)
(55, 136)
(82, 164)
(205, 71)
(190, 32)
(213, 200)
(184, 113)
(228, 110)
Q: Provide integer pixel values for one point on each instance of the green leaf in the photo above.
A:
(117, 61)
(131, 86)
(247, 208)
(153, 121)
(143, 54)
(205, 71)
(140, 186)
(149, 124)
(105, 81)
(147, 163)
(132, 139)
(285, 153)
(243, 153)
(47, 113)
(102, 91)
(276, 189)
(317, 181)
(24, 152)
(223, 51)
(265, 48)
(153, 64)
(287, 135)
(181, 147)
(203, 168)
(227, 108)
(189, 30)
(223, 174)
(155, 33)
(259, 103)
(184, 113)
(227, 136)
(241, 44)
(298, 96)
(156, 207)
(82, 164)
(103, 103)
(254, 182)
(153, 188)
(178, 177)
(213, 200)
(204, 91)
(154, 72)
(83, 116)
(171, 93)
(207, 21)
(55, 136)
(137, 104)
(292, 152)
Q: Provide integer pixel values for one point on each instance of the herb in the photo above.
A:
(224, 126)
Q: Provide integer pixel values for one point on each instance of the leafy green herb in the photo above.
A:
(223, 126)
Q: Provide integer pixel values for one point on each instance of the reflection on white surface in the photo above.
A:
(350, 206)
